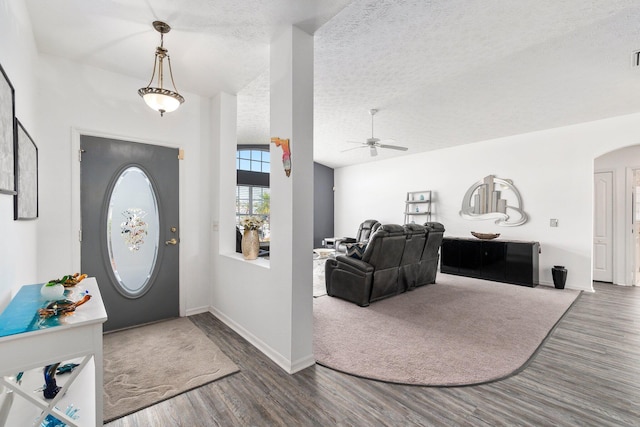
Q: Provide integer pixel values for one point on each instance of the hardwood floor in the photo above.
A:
(586, 374)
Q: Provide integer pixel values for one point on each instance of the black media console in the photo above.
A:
(506, 261)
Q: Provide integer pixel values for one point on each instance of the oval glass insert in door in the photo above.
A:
(133, 226)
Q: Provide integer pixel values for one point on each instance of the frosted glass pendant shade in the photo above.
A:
(158, 98)
(162, 100)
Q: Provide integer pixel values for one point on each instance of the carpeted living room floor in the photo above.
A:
(458, 331)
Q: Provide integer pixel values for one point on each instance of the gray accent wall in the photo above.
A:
(322, 203)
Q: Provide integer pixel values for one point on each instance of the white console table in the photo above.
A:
(28, 344)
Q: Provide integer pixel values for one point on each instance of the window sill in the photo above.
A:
(260, 262)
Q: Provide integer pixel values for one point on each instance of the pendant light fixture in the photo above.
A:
(159, 98)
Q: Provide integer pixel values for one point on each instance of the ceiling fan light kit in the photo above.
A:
(374, 143)
(159, 98)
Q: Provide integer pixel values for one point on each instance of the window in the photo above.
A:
(254, 160)
(253, 201)
(252, 189)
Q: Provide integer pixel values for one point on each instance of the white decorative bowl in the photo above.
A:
(52, 292)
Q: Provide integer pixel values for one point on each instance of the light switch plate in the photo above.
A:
(553, 222)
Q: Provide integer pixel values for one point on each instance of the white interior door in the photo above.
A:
(635, 226)
(603, 227)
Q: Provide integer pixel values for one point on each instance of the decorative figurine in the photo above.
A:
(286, 153)
(51, 389)
(69, 367)
(63, 306)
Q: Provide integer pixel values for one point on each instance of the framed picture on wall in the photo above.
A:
(25, 203)
(7, 135)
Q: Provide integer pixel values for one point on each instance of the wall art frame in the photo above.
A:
(484, 200)
(25, 202)
(7, 134)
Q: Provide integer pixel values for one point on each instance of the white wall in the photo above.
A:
(271, 305)
(54, 98)
(619, 162)
(76, 99)
(249, 296)
(18, 55)
(552, 169)
(270, 302)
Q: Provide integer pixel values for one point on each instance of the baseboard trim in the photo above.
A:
(303, 363)
(551, 285)
(197, 310)
(275, 356)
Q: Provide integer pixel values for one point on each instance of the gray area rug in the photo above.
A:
(459, 331)
(148, 364)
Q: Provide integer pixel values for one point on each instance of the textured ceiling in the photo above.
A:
(215, 45)
(441, 72)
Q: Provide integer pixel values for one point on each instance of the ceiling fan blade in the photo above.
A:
(393, 147)
(353, 148)
(373, 143)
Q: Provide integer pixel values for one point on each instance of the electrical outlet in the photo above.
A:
(553, 222)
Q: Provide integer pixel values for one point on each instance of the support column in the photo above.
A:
(224, 145)
(291, 74)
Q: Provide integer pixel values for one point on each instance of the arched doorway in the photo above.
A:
(621, 212)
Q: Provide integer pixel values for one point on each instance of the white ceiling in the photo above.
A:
(441, 72)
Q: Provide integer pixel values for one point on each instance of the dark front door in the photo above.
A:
(129, 207)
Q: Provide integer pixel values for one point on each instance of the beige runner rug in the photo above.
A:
(148, 364)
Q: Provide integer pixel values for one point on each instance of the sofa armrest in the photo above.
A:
(350, 279)
(354, 265)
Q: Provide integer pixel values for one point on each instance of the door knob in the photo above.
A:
(173, 241)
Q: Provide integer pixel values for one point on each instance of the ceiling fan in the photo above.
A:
(374, 143)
